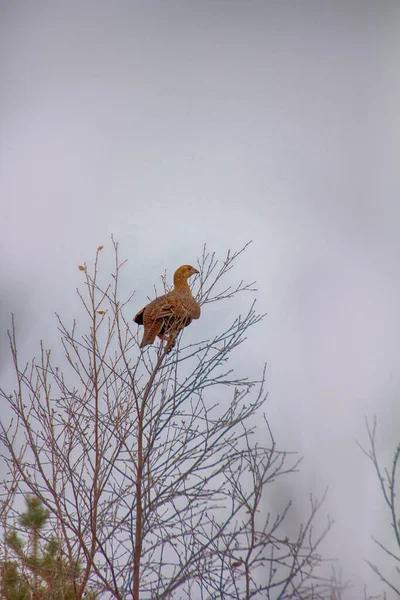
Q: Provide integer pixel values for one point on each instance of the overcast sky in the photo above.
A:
(174, 124)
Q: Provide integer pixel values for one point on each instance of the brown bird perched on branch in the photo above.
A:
(168, 314)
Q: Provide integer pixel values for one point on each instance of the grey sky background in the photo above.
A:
(174, 124)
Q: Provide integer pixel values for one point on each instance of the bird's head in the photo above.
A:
(183, 273)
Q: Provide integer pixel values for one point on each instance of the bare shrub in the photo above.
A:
(149, 463)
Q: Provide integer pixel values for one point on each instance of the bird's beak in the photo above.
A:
(196, 271)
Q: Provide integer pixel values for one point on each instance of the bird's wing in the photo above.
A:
(180, 307)
(150, 309)
(164, 310)
(169, 307)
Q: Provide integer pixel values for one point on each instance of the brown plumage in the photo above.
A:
(168, 314)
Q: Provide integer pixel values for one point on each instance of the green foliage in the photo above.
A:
(36, 516)
(37, 569)
(12, 584)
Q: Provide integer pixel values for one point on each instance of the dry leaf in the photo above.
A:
(81, 268)
(100, 248)
(237, 563)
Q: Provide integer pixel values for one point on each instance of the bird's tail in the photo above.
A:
(150, 334)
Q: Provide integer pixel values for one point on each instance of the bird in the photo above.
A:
(168, 314)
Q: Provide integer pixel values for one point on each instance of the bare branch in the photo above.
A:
(387, 481)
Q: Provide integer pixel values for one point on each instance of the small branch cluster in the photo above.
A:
(388, 482)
